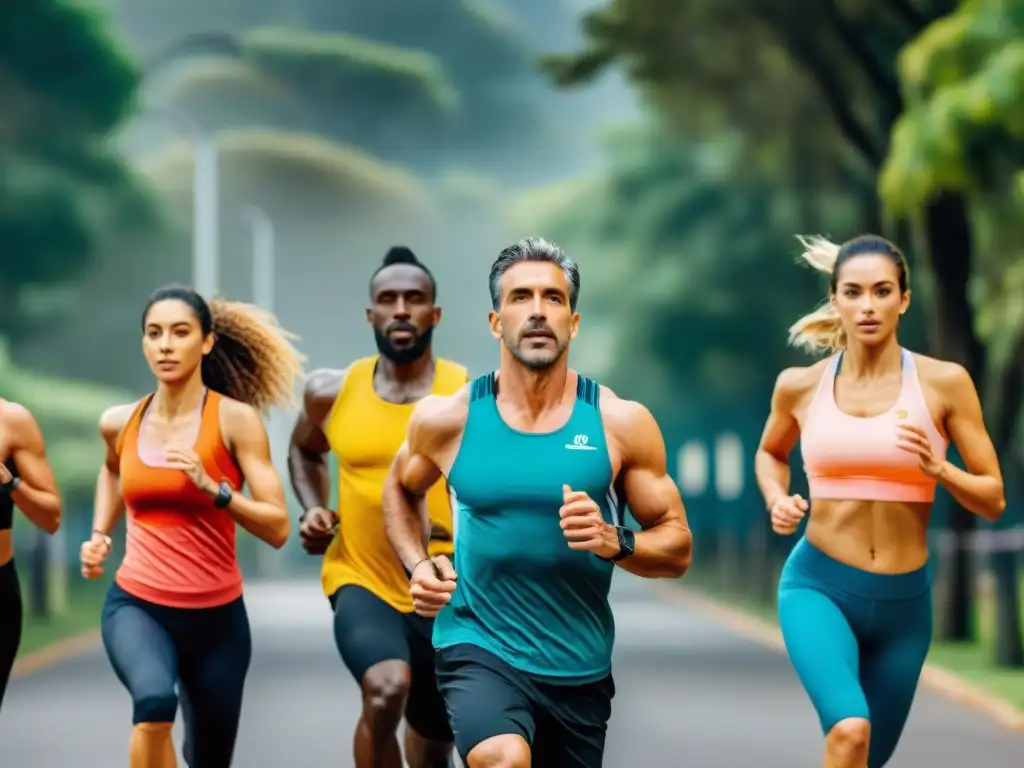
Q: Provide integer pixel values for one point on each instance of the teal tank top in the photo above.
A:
(522, 594)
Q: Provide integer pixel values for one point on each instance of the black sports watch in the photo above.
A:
(627, 540)
(10, 486)
(223, 497)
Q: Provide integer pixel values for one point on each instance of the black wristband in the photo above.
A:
(10, 486)
(223, 497)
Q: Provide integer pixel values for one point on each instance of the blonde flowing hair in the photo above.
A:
(822, 330)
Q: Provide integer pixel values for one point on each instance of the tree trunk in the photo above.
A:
(952, 337)
(1006, 399)
(38, 576)
(1009, 651)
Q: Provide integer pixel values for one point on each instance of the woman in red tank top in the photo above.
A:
(174, 625)
(26, 482)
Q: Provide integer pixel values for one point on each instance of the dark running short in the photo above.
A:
(368, 631)
(565, 725)
(10, 622)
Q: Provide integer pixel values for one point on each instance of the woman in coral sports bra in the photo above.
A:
(174, 625)
(874, 422)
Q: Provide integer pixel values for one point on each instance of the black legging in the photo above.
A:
(10, 623)
(204, 651)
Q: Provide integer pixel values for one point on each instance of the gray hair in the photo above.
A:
(534, 249)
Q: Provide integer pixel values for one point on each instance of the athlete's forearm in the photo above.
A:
(108, 504)
(42, 508)
(310, 477)
(981, 494)
(772, 477)
(406, 521)
(662, 551)
(267, 522)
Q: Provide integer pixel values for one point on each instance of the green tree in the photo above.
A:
(66, 84)
(789, 71)
(384, 99)
(329, 204)
(430, 85)
(963, 130)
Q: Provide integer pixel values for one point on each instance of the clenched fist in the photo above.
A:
(317, 528)
(93, 554)
(431, 584)
(787, 513)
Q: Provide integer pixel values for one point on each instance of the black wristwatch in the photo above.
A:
(627, 540)
(223, 497)
(10, 486)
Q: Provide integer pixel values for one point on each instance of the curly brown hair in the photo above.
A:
(253, 359)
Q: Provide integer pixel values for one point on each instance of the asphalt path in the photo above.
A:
(690, 692)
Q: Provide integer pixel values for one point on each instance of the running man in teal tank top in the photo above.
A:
(541, 462)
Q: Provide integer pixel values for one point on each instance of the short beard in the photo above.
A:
(410, 354)
(538, 363)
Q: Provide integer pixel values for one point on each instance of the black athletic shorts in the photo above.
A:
(565, 725)
(10, 622)
(368, 631)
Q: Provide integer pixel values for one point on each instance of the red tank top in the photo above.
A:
(179, 548)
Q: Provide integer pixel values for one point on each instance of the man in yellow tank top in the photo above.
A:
(361, 413)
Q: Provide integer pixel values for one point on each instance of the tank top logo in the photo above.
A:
(579, 443)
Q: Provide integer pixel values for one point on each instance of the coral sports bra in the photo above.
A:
(848, 457)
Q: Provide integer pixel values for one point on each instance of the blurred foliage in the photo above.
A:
(963, 129)
(677, 240)
(62, 189)
(963, 79)
(384, 99)
(317, 192)
(427, 85)
(829, 93)
(272, 167)
(68, 414)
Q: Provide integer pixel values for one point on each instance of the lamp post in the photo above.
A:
(268, 564)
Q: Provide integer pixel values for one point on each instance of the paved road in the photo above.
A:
(689, 693)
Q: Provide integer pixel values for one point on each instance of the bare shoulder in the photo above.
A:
(20, 425)
(15, 416)
(324, 383)
(799, 380)
(941, 373)
(950, 380)
(627, 421)
(240, 420)
(438, 421)
(794, 385)
(113, 420)
(321, 390)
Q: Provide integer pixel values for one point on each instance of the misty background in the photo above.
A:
(674, 149)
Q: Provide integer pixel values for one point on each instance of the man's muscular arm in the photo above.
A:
(307, 453)
(663, 547)
(417, 466)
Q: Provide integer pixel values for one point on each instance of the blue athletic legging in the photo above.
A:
(857, 641)
(199, 657)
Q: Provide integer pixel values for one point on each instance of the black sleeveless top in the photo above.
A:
(7, 503)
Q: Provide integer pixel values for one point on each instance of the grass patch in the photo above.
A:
(85, 600)
(972, 661)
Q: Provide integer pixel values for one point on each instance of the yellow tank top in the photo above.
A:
(365, 433)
